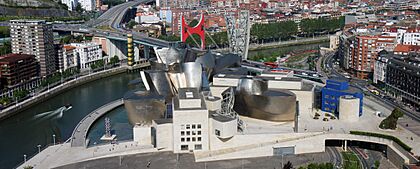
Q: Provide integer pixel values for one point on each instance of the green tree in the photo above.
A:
(19, 94)
(273, 31)
(4, 31)
(131, 24)
(79, 7)
(390, 122)
(5, 100)
(114, 60)
(193, 23)
(6, 48)
(377, 163)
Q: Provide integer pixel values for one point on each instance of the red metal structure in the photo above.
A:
(198, 29)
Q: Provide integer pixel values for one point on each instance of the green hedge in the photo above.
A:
(389, 137)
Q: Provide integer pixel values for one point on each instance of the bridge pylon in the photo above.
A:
(238, 30)
(130, 50)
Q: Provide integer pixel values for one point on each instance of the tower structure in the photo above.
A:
(238, 32)
(130, 50)
(34, 37)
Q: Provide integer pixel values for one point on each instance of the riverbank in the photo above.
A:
(308, 41)
(12, 110)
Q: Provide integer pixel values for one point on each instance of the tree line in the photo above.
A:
(287, 29)
(321, 25)
(273, 31)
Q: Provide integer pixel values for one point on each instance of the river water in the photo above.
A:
(20, 134)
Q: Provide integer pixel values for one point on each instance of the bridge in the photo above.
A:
(79, 135)
(116, 37)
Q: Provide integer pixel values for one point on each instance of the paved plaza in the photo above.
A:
(369, 122)
(163, 160)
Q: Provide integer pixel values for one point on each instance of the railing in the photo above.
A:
(41, 149)
(97, 111)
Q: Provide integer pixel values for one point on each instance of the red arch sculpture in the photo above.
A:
(198, 29)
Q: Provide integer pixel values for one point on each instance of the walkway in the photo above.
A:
(82, 129)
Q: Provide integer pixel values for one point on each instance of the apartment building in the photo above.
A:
(70, 60)
(363, 56)
(87, 54)
(88, 5)
(17, 68)
(34, 37)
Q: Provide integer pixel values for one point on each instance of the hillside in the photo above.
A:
(33, 8)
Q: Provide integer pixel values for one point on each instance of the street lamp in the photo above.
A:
(24, 158)
(39, 148)
(53, 139)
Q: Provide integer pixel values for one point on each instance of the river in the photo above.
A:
(20, 134)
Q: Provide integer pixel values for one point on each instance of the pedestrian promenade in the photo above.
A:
(78, 138)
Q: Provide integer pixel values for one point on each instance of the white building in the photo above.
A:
(87, 54)
(71, 4)
(190, 121)
(409, 38)
(69, 57)
(379, 73)
(147, 19)
(87, 5)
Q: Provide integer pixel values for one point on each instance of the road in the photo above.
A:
(113, 19)
(329, 65)
(335, 156)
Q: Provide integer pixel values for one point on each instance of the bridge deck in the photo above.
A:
(78, 138)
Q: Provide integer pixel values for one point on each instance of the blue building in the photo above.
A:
(332, 92)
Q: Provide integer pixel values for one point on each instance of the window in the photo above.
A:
(193, 133)
(198, 138)
(184, 147)
(188, 139)
(198, 147)
(188, 133)
(193, 126)
(188, 126)
(198, 132)
(217, 132)
(193, 139)
(182, 133)
(182, 139)
(199, 126)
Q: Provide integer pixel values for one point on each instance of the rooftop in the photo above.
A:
(14, 57)
(162, 121)
(220, 118)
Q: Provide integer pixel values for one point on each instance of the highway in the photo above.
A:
(113, 18)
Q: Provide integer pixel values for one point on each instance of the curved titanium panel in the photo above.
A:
(253, 99)
(172, 56)
(160, 82)
(193, 73)
(252, 86)
(143, 107)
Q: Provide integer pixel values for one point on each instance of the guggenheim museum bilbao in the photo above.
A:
(208, 104)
